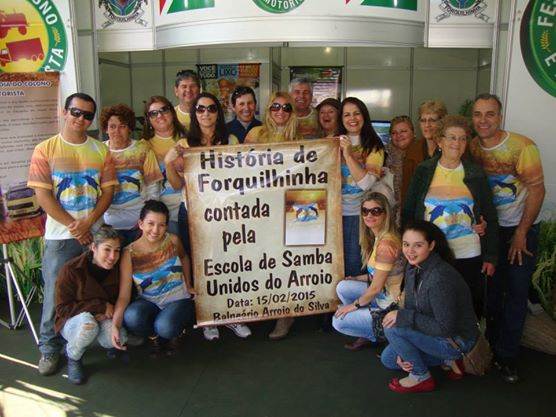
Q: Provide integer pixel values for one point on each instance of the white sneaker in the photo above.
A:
(211, 333)
(241, 330)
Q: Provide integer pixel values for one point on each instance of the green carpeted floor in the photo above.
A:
(307, 374)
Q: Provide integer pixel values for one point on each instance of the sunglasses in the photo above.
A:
(77, 113)
(211, 108)
(285, 107)
(375, 211)
(153, 114)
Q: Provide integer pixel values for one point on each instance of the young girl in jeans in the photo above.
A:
(158, 266)
(438, 310)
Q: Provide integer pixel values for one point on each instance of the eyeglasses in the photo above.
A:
(153, 114)
(431, 120)
(285, 107)
(375, 211)
(211, 108)
(77, 113)
(456, 138)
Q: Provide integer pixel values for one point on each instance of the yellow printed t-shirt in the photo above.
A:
(385, 255)
(511, 166)
(351, 193)
(449, 204)
(136, 168)
(168, 195)
(76, 174)
(308, 126)
(183, 118)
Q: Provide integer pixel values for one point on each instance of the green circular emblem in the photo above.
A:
(538, 43)
(278, 6)
(32, 37)
(462, 4)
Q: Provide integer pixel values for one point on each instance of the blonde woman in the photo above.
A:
(379, 288)
(280, 122)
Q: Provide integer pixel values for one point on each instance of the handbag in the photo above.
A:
(477, 361)
(377, 315)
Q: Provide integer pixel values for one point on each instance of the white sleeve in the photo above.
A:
(152, 191)
(367, 181)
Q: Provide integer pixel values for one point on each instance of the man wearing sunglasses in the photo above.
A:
(301, 90)
(244, 103)
(186, 88)
(74, 178)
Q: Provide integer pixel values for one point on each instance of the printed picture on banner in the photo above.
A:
(327, 81)
(19, 212)
(305, 217)
(222, 79)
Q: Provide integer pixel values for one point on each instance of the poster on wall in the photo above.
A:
(327, 81)
(28, 115)
(222, 79)
(530, 100)
(265, 226)
(461, 23)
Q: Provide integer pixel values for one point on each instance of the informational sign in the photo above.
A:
(266, 230)
(327, 81)
(222, 79)
(181, 23)
(461, 23)
(28, 115)
(530, 100)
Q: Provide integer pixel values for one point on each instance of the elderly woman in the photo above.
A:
(329, 118)
(280, 122)
(137, 170)
(437, 313)
(379, 288)
(431, 113)
(162, 130)
(208, 128)
(453, 193)
(86, 291)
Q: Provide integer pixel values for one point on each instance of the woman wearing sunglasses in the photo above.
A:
(137, 170)
(208, 128)
(362, 161)
(379, 288)
(280, 122)
(437, 314)
(162, 130)
(453, 193)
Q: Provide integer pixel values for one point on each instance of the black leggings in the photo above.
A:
(470, 270)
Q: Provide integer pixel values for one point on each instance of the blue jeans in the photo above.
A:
(420, 349)
(144, 318)
(56, 254)
(508, 291)
(352, 250)
(358, 323)
(82, 330)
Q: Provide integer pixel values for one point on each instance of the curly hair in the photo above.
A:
(433, 106)
(122, 112)
(452, 120)
(401, 119)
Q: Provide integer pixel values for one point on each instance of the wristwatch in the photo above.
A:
(356, 304)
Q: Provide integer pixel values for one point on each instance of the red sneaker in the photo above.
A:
(424, 386)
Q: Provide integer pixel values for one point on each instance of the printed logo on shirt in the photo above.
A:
(129, 186)
(504, 188)
(76, 191)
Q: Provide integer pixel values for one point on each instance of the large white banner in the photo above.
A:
(530, 100)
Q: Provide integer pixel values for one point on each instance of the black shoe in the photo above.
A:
(507, 369)
(112, 353)
(76, 374)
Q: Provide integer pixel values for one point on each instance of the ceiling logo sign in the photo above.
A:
(538, 43)
(394, 4)
(462, 8)
(278, 6)
(123, 11)
(177, 6)
(32, 37)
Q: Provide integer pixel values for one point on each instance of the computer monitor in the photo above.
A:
(382, 128)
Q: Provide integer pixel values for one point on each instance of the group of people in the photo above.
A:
(116, 264)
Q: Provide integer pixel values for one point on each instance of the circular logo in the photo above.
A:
(278, 6)
(538, 44)
(462, 4)
(32, 37)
